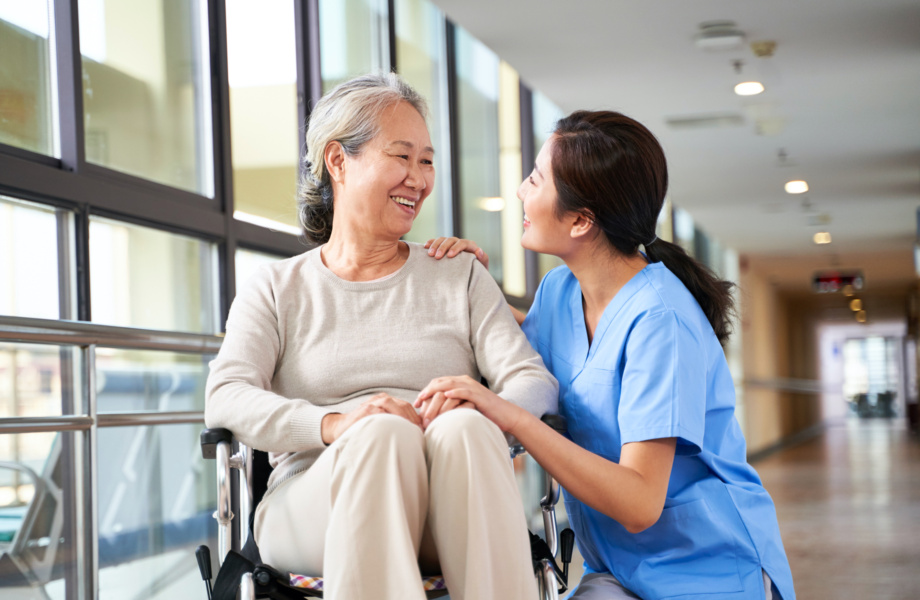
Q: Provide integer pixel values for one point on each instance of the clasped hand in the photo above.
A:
(439, 396)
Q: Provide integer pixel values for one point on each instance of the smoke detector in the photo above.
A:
(719, 35)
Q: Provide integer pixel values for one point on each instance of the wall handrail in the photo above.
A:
(83, 333)
(19, 425)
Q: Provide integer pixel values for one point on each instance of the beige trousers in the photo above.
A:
(386, 497)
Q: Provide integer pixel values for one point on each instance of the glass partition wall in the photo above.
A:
(149, 160)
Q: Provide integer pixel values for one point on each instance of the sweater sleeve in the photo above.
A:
(504, 357)
(238, 395)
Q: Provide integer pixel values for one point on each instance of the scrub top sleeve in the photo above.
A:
(663, 391)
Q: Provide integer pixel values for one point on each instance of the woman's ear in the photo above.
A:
(334, 156)
(582, 225)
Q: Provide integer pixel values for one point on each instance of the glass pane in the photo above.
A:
(149, 381)
(545, 116)
(35, 269)
(146, 93)
(261, 56)
(421, 58)
(38, 547)
(249, 261)
(156, 497)
(38, 380)
(514, 280)
(142, 277)
(353, 39)
(27, 101)
(481, 198)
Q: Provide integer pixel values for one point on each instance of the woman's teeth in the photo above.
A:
(403, 201)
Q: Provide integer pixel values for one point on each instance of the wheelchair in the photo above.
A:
(242, 571)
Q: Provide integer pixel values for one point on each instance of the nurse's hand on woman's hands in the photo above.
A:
(437, 404)
(335, 424)
(464, 388)
(451, 247)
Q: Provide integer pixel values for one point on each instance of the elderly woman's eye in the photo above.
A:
(427, 161)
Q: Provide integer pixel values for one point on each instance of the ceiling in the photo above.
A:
(842, 103)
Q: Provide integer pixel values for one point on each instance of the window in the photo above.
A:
(545, 116)
(27, 103)
(354, 39)
(146, 278)
(480, 185)
(35, 263)
(156, 496)
(421, 60)
(146, 90)
(261, 48)
(37, 489)
(38, 380)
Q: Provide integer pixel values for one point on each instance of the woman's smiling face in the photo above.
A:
(543, 230)
(383, 187)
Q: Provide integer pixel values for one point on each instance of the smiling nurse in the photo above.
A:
(657, 484)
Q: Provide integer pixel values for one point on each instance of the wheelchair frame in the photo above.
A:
(217, 444)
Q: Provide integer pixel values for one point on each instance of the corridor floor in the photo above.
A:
(849, 510)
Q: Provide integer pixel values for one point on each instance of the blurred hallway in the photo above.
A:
(849, 510)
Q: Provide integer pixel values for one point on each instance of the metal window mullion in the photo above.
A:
(69, 75)
(309, 75)
(223, 155)
(528, 156)
(391, 34)
(453, 127)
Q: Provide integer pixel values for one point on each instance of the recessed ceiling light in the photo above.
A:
(861, 316)
(749, 88)
(856, 305)
(822, 237)
(796, 187)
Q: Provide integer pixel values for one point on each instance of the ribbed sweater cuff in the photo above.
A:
(306, 426)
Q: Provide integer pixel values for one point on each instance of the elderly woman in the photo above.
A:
(325, 353)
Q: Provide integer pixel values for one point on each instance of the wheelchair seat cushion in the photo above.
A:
(430, 584)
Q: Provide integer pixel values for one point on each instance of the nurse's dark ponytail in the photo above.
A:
(613, 169)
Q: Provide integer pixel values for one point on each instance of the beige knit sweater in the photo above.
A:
(302, 343)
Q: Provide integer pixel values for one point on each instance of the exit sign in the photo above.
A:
(829, 282)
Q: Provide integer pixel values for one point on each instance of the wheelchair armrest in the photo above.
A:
(210, 438)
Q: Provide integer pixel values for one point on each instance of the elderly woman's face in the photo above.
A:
(385, 185)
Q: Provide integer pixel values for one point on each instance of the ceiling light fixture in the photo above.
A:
(861, 316)
(822, 237)
(719, 35)
(796, 187)
(492, 204)
(856, 305)
(749, 88)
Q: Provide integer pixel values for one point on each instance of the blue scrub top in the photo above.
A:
(655, 369)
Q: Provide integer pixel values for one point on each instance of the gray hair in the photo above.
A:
(350, 115)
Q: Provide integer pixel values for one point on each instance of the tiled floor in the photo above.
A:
(849, 510)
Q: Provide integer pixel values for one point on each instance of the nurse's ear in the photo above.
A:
(583, 224)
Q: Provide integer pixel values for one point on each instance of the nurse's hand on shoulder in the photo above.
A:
(451, 247)
(334, 425)
(464, 388)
